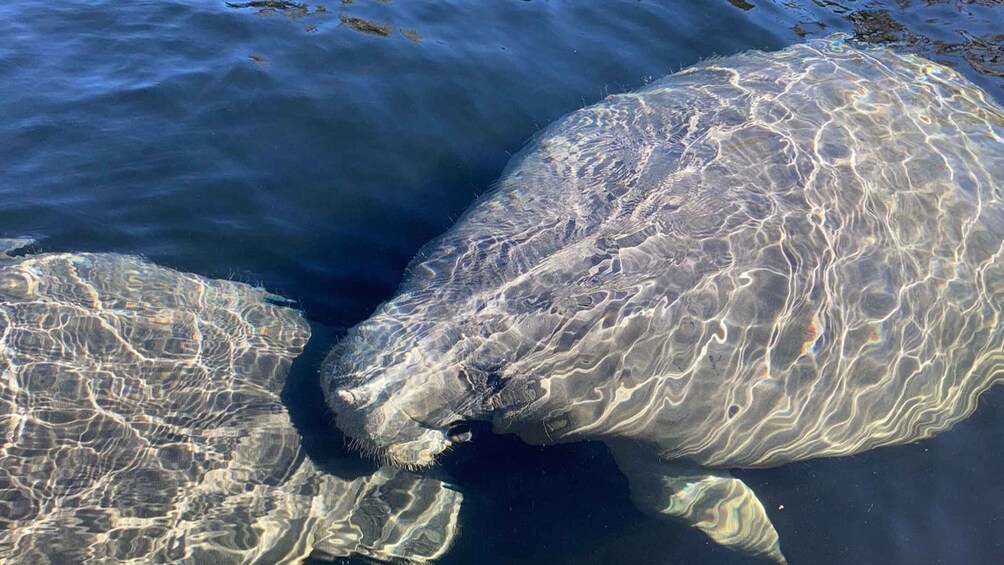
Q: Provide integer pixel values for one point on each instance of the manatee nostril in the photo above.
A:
(459, 432)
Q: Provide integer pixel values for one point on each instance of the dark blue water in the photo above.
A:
(285, 147)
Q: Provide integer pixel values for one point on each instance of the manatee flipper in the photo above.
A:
(713, 501)
(391, 516)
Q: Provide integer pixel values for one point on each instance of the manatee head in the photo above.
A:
(405, 384)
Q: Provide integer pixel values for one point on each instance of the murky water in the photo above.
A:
(313, 150)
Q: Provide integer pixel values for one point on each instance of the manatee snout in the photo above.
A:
(387, 428)
(406, 383)
(392, 438)
(392, 395)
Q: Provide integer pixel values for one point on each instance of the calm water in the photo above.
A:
(285, 147)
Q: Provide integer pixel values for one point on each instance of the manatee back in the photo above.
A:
(142, 423)
(865, 308)
(764, 258)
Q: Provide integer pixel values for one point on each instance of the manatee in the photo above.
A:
(761, 259)
(142, 423)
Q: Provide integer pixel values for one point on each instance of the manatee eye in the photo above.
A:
(459, 432)
(495, 382)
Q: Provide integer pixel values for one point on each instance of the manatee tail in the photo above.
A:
(713, 501)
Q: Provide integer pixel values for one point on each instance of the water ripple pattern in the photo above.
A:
(141, 423)
(765, 258)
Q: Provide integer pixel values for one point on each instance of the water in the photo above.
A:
(296, 152)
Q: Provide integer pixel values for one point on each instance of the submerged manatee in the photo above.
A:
(142, 423)
(764, 258)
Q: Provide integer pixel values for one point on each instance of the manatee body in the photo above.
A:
(762, 259)
(142, 423)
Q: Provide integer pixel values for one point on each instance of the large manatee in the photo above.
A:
(142, 423)
(761, 259)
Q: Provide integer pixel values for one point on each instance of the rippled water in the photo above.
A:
(302, 149)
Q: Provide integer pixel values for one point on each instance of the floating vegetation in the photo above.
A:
(412, 35)
(276, 4)
(742, 4)
(292, 10)
(297, 10)
(366, 26)
(877, 26)
(983, 53)
(802, 29)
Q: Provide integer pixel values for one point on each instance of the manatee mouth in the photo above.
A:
(382, 417)
(411, 454)
(390, 437)
(460, 432)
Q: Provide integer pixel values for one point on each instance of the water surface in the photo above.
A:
(314, 150)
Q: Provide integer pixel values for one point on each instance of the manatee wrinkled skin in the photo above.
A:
(765, 258)
(142, 423)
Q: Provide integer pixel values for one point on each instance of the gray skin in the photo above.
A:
(765, 258)
(142, 423)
